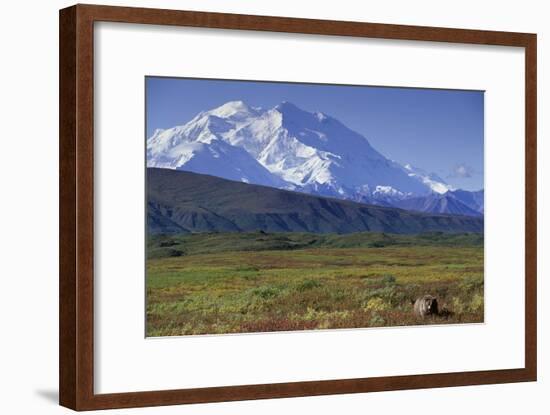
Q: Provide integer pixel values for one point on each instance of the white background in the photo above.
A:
(199, 361)
(28, 214)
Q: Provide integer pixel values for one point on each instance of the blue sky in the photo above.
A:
(440, 131)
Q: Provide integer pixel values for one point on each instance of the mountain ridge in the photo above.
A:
(182, 202)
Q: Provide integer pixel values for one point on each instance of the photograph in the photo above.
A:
(276, 206)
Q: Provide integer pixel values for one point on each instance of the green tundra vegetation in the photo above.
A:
(214, 283)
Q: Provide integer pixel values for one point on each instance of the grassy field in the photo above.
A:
(257, 282)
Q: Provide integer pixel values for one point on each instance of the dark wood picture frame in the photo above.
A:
(76, 119)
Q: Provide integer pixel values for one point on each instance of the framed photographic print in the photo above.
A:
(257, 207)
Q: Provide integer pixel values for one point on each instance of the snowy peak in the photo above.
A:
(235, 110)
(287, 147)
(388, 191)
(432, 180)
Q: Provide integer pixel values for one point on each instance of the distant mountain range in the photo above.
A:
(455, 202)
(181, 202)
(288, 148)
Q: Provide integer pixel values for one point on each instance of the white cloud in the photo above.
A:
(462, 171)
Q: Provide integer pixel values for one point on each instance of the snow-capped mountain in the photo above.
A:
(432, 180)
(198, 147)
(288, 148)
